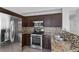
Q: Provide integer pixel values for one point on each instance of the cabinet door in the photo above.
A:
(47, 21)
(25, 40)
(28, 39)
(54, 20)
(57, 20)
(24, 22)
(46, 42)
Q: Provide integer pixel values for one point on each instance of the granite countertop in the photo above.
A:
(60, 46)
(75, 33)
(70, 42)
(26, 33)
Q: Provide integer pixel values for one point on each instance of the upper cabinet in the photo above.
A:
(52, 20)
(28, 21)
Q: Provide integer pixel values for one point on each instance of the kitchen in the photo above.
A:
(48, 29)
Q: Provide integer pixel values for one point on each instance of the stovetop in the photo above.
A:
(38, 33)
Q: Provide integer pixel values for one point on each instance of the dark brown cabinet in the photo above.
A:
(27, 22)
(52, 20)
(57, 20)
(47, 21)
(46, 43)
(25, 40)
(24, 22)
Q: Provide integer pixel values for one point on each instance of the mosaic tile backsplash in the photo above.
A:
(48, 30)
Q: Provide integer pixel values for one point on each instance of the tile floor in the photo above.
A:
(12, 47)
(16, 47)
(29, 49)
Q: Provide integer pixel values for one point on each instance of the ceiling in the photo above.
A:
(28, 11)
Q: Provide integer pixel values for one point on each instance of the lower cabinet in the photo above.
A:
(25, 40)
(46, 43)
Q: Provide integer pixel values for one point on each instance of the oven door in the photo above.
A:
(36, 41)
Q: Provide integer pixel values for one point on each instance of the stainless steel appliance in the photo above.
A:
(36, 36)
(38, 23)
(12, 31)
(36, 41)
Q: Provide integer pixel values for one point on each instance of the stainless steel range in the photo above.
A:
(36, 41)
(36, 36)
